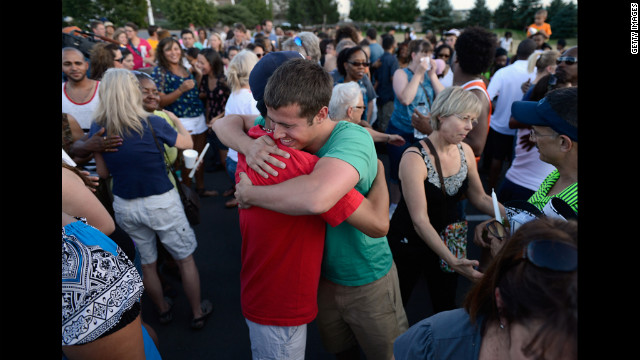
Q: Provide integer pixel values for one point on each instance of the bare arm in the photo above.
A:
(310, 194)
(372, 216)
(78, 200)
(412, 173)
(184, 140)
(231, 130)
(477, 137)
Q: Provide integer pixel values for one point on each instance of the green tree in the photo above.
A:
(181, 13)
(117, 11)
(438, 16)
(365, 10)
(307, 12)
(402, 11)
(258, 8)
(480, 15)
(296, 12)
(564, 23)
(504, 15)
(230, 14)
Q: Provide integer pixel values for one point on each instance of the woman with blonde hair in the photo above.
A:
(145, 202)
(544, 63)
(240, 102)
(435, 173)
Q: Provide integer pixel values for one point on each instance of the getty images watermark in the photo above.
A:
(634, 28)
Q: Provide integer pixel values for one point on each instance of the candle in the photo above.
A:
(496, 208)
(204, 151)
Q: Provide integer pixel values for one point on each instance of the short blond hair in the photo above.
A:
(451, 101)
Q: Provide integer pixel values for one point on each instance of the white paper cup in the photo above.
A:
(190, 157)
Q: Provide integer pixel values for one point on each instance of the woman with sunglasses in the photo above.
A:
(353, 65)
(426, 209)
(146, 204)
(412, 85)
(525, 306)
(104, 56)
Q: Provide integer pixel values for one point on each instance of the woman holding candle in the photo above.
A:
(425, 209)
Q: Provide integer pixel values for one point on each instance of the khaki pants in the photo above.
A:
(370, 315)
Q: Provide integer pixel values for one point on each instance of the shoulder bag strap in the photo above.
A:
(167, 163)
(435, 156)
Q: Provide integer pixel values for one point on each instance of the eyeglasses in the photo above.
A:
(569, 60)
(552, 255)
(361, 107)
(466, 118)
(533, 135)
(445, 56)
(356, 63)
(299, 42)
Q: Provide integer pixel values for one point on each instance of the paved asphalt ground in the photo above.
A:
(225, 335)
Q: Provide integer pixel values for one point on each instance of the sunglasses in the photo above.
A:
(299, 42)
(356, 63)
(259, 55)
(569, 60)
(552, 255)
(497, 230)
(119, 60)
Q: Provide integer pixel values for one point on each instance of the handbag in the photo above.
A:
(189, 198)
(454, 235)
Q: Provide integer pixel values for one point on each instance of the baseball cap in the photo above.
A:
(455, 32)
(263, 70)
(542, 114)
(108, 23)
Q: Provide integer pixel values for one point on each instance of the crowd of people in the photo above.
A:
(299, 122)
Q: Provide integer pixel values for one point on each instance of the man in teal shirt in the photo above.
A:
(358, 297)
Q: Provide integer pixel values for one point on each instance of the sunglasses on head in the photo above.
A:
(356, 63)
(552, 255)
(569, 60)
(299, 42)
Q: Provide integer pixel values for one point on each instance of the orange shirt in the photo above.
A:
(533, 28)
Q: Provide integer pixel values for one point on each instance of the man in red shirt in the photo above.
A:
(282, 254)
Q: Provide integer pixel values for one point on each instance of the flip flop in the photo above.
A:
(207, 309)
(206, 193)
(167, 316)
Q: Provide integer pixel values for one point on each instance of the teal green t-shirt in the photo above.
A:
(352, 258)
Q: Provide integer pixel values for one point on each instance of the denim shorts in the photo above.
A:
(143, 218)
(277, 342)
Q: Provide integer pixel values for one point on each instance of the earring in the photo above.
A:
(501, 326)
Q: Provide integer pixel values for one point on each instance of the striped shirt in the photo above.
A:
(570, 194)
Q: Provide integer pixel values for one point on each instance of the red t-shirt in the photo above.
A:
(140, 52)
(281, 254)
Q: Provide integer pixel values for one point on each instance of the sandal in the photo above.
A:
(206, 193)
(207, 309)
(167, 316)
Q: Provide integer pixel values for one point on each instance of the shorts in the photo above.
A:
(499, 146)
(370, 315)
(194, 125)
(277, 342)
(143, 218)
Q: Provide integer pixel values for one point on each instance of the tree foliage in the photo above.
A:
(230, 14)
(181, 13)
(438, 16)
(308, 12)
(504, 16)
(564, 22)
(402, 11)
(258, 8)
(117, 11)
(365, 10)
(480, 15)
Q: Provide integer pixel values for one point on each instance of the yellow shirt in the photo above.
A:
(172, 152)
(153, 43)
